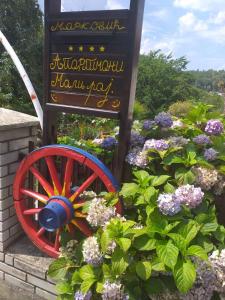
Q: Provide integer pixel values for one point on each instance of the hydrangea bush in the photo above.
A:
(168, 244)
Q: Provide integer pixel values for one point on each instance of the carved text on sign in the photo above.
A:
(113, 25)
(86, 64)
(92, 87)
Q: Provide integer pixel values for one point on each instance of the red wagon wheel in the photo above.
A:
(58, 204)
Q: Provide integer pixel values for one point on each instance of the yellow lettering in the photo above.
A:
(93, 26)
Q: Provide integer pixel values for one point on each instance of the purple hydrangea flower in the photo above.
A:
(214, 127)
(202, 139)
(80, 296)
(137, 157)
(168, 204)
(189, 195)
(164, 119)
(136, 139)
(109, 143)
(148, 124)
(159, 145)
(210, 154)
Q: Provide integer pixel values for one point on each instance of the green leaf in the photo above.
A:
(76, 278)
(105, 240)
(119, 262)
(156, 222)
(179, 241)
(144, 243)
(144, 269)
(142, 175)
(168, 254)
(64, 288)
(171, 226)
(157, 181)
(157, 265)
(191, 158)
(189, 231)
(87, 272)
(59, 268)
(150, 195)
(169, 188)
(99, 287)
(185, 275)
(87, 284)
(124, 244)
(184, 177)
(209, 227)
(220, 234)
(129, 190)
(106, 271)
(173, 159)
(198, 251)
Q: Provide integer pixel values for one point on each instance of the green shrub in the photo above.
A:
(162, 245)
(180, 108)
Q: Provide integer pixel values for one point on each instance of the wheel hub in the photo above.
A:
(58, 212)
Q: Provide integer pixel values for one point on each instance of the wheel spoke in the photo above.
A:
(80, 215)
(78, 205)
(53, 172)
(46, 186)
(32, 211)
(84, 186)
(82, 226)
(57, 240)
(41, 231)
(68, 177)
(35, 195)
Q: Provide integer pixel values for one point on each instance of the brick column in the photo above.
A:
(16, 131)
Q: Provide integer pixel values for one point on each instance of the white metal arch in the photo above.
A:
(24, 77)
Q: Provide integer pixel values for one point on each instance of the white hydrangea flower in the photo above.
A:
(205, 178)
(177, 124)
(68, 251)
(113, 291)
(219, 187)
(97, 141)
(87, 195)
(218, 264)
(91, 251)
(111, 247)
(99, 213)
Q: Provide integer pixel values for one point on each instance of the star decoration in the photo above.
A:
(92, 49)
(102, 49)
(81, 48)
(70, 48)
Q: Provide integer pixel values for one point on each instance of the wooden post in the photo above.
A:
(126, 116)
(51, 7)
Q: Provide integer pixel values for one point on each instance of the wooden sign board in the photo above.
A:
(91, 62)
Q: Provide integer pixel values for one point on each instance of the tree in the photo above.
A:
(21, 22)
(162, 81)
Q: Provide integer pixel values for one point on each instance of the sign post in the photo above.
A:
(90, 67)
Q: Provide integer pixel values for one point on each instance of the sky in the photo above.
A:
(191, 28)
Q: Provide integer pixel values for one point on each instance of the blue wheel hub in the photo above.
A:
(58, 212)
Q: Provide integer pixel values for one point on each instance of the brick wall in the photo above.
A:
(26, 276)
(14, 142)
(22, 265)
